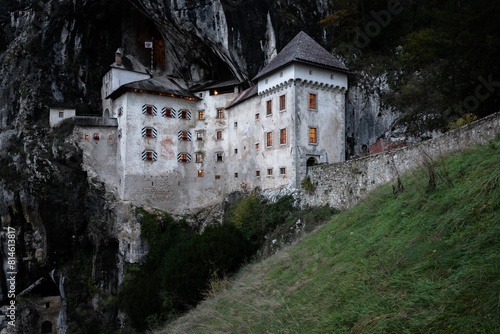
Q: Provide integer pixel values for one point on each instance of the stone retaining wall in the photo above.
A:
(342, 185)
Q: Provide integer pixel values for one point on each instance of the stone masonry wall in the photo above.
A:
(342, 185)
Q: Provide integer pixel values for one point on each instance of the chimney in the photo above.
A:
(118, 56)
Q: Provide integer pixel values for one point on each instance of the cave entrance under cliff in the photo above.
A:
(142, 38)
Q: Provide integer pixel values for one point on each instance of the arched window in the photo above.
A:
(46, 327)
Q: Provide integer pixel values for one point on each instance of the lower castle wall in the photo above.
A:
(343, 185)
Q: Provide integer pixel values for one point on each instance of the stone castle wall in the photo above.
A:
(344, 184)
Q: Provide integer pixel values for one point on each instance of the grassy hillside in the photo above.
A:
(424, 261)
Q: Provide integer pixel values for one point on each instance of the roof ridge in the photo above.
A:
(302, 48)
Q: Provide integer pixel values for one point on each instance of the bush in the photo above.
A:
(178, 267)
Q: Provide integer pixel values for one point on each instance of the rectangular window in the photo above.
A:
(86, 137)
(235, 124)
(183, 157)
(168, 113)
(149, 110)
(269, 171)
(184, 135)
(282, 171)
(217, 177)
(218, 135)
(199, 157)
(235, 151)
(257, 173)
(282, 136)
(282, 102)
(96, 136)
(199, 135)
(235, 175)
(257, 116)
(183, 114)
(269, 139)
(313, 135)
(149, 132)
(269, 107)
(201, 173)
(201, 115)
(61, 114)
(312, 101)
(218, 157)
(220, 113)
(257, 146)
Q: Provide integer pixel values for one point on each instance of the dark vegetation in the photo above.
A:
(183, 266)
(439, 56)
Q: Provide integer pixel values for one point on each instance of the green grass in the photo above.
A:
(424, 261)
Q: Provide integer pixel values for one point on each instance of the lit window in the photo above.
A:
(269, 139)
(257, 116)
(313, 136)
(269, 107)
(282, 171)
(201, 115)
(220, 113)
(219, 135)
(86, 137)
(257, 146)
(201, 173)
(218, 157)
(269, 171)
(312, 101)
(257, 173)
(282, 136)
(199, 157)
(96, 136)
(217, 177)
(183, 157)
(199, 135)
(61, 114)
(282, 102)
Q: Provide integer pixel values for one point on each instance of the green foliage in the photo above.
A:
(178, 267)
(255, 219)
(307, 185)
(421, 262)
(464, 120)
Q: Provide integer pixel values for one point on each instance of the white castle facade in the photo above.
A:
(181, 147)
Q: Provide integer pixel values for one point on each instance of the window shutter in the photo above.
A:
(180, 157)
(184, 135)
(173, 113)
(154, 132)
(145, 109)
(145, 155)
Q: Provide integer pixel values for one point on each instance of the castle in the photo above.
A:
(179, 146)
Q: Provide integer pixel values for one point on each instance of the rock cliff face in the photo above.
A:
(56, 51)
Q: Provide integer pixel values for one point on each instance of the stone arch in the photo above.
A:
(311, 161)
(46, 327)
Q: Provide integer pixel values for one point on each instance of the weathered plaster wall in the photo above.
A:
(343, 185)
